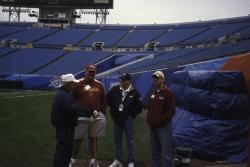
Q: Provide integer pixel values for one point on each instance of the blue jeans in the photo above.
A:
(161, 146)
(127, 126)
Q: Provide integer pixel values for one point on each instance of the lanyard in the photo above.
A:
(124, 95)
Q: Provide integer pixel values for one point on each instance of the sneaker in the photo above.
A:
(131, 164)
(93, 163)
(72, 163)
(116, 163)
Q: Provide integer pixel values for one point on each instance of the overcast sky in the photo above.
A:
(166, 11)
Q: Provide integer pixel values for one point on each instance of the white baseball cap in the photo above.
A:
(69, 78)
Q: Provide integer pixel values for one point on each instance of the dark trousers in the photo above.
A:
(64, 147)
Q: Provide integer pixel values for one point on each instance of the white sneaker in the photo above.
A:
(93, 163)
(72, 163)
(116, 163)
(131, 164)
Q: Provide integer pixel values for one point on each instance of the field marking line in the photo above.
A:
(40, 94)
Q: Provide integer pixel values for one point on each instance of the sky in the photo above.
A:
(165, 11)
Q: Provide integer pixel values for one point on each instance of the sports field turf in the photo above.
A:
(28, 139)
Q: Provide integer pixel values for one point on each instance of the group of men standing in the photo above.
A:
(79, 108)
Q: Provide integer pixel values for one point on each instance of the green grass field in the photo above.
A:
(28, 139)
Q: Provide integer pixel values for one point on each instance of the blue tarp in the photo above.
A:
(211, 139)
(211, 114)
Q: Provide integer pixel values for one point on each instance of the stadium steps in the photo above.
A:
(195, 35)
(8, 53)
(46, 36)
(5, 35)
(85, 38)
(155, 39)
(123, 37)
(48, 63)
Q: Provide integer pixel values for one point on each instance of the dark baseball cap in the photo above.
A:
(125, 76)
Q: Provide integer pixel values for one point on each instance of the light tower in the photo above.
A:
(15, 12)
(63, 12)
(101, 16)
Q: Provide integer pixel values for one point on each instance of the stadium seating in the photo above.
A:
(131, 38)
(30, 35)
(154, 27)
(16, 24)
(85, 26)
(125, 57)
(9, 30)
(64, 37)
(4, 51)
(26, 60)
(244, 33)
(158, 61)
(109, 37)
(178, 35)
(215, 32)
(186, 56)
(73, 62)
(138, 38)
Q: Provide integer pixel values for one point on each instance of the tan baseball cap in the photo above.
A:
(158, 74)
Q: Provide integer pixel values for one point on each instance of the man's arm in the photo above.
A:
(138, 106)
(80, 111)
(109, 96)
(169, 107)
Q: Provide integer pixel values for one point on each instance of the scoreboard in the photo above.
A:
(77, 4)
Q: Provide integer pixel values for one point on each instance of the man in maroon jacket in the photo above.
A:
(161, 108)
(90, 93)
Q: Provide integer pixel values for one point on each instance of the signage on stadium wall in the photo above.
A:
(53, 25)
(62, 15)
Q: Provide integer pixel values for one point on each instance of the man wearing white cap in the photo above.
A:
(161, 108)
(64, 118)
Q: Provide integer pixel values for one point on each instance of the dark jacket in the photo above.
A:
(161, 107)
(65, 111)
(132, 105)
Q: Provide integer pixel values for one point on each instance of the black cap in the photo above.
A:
(125, 76)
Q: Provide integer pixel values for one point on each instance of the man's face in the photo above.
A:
(125, 83)
(71, 86)
(158, 81)
(90, 74)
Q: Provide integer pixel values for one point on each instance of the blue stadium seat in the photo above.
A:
(178, 35)
(16, 24)
(117, 27)
(215, 32)
(138, 38)
(244, 33)
(154, 27)
(85, 26)
(73, 62)
(30, 35)
(4, 51)
(66, 36)
(9, 30)
(186, 56)
(26, 60)
(109, 37)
